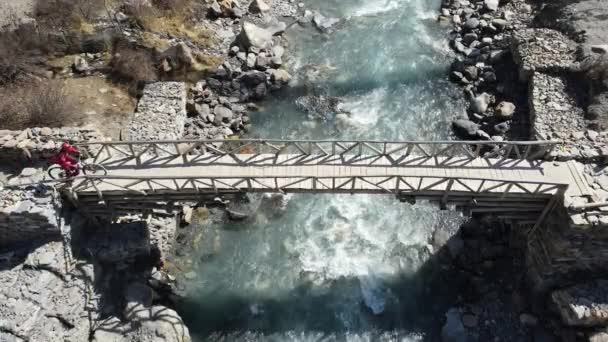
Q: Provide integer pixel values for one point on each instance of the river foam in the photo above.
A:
(338, 267)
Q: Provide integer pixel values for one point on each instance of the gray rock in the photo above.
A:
(262, 62)
(592, 135)
(237, 12)
(505, 110)
(252, 35)
(259, 6)
(280, 77)
(491, 5)
(453, 330)
(480, 103)
(489, 76)
(502, 127)
(251, 60)
(222, 115)
(471, 73)
(469, 38)
(276, 62)
(215, 9)
(28, 172)
(465, 128)
(324, 23)
(471, 24)
(278, 51)
(500, 24)
(277, 27)
(80, 64)
(253, 78)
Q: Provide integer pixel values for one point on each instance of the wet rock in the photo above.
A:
(465, 128)
(480, 103)
(259, 6)
(280, 77)
(453, 330)
(504, 110)
(252, 35)
(324, 23)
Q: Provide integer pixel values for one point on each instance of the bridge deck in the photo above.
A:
(291, 173)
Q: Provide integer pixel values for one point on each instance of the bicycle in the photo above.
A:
(56, 172)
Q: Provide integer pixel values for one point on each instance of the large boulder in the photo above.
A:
(504, 111)
(179, 57)
(491, 5)
(324, 23)
(222, 115)
(480, 103)
(260, 6)
(254, 36)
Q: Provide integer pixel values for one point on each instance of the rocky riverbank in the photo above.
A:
(115, 287)
(536, 70)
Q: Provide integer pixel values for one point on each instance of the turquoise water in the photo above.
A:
(337, 267)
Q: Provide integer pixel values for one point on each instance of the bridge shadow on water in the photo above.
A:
(416, 303)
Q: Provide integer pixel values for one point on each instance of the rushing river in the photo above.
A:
(337, 267)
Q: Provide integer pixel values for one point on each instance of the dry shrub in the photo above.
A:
(172, 5)
(132, 64)
(173, 18)
(19, 52)
(68, 16)
(36, 104)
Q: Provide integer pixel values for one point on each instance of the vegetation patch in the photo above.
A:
(36, 104)
(173, 18)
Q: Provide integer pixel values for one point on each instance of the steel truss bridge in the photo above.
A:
(508, 178)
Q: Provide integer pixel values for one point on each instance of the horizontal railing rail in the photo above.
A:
(257, 151)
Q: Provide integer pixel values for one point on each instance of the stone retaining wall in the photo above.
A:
(161, 112)
(34, 145)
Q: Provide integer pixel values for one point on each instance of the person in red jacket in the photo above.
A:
(65, 160)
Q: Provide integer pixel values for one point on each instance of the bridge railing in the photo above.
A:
(257, 151)
(398, 185)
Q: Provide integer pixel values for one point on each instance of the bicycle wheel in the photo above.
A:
(56, 172)
(94, 170)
